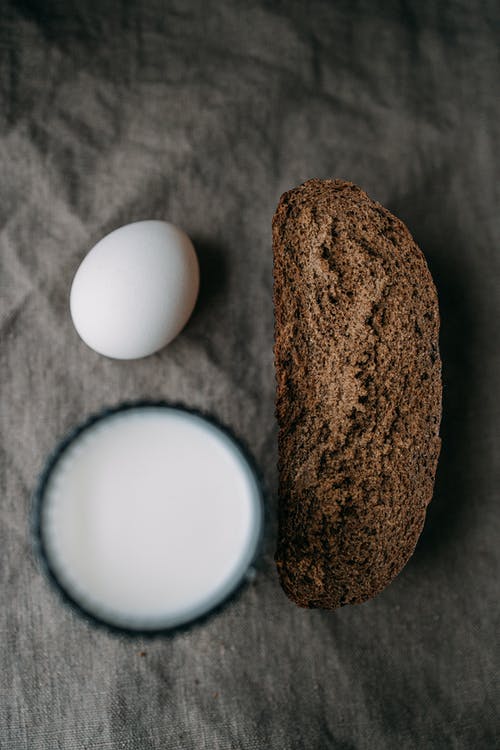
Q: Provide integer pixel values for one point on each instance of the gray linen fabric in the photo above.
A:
(202, 114)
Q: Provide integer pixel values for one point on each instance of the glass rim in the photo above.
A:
(37, 525)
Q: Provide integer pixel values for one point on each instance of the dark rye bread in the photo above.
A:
(358, 393)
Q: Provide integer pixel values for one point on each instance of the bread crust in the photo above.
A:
(358, 399)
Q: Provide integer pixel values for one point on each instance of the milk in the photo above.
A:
(151, 517)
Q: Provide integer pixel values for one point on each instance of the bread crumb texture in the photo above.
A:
(358, 393)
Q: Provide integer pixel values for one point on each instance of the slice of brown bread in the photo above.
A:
(358, 393)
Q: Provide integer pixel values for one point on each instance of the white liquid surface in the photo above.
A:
(151, 518)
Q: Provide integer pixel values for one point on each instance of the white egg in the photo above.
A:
(135, 290)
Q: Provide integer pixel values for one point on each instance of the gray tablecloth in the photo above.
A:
(203, 114)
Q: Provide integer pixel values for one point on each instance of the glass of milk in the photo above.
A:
(148, 517)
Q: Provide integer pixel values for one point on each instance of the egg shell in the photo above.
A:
(135, 289)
